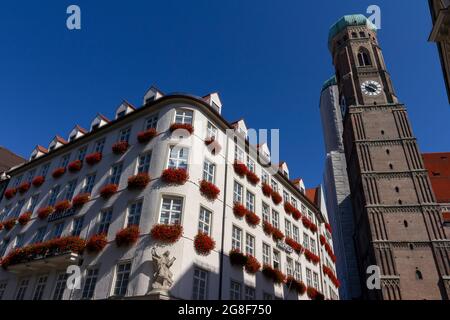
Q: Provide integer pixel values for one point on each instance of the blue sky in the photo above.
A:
(267, 59)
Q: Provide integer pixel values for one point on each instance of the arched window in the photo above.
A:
(405, 223)
(419, 275)
(364, 58)
(354, 35)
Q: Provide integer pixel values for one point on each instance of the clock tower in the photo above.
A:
(398, 225)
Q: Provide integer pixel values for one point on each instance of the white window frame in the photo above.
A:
(174, 217)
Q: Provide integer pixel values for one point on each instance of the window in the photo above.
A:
(89, 183)
(308, 277)
(171, 209)
(266, 254)
(295, 233)
(44, 169)
(144, 163)
(235, 290)
(4, 246)
(116, 172)
(204, 221)
(57, 230)
(250, 164)
(18, 208)
(236, 239)
(316, 280)
(82, 153)
(183, 116)
(178, 157)
(250, 293)
(40, 234)
(151, 122)
(250, 203)
(250, 244)
(18, 181)
(265, 177)
(64, 161)
(99, 145)
(362, 34)
(53, 195)
(265, 212)
(124, 134)
(134, 213)
(364, 58)
(122, 276)
(105, 221)
(287, 227)
(238, 193)
(70, 189)
(238, 154)
(276, 259)
(61, 280)
(211, 131)
(419, 275)
(19, 240)
(30, 175)
(77, 226)
(200, 285)
(22, 289)
(209, 171)
(298, 271)
(89, 284)
(275, 219)
(2, 289)
(286, 197)
(313, 246)
(121, 114)
(289, 267)
(40, 287)
(294, 202)
(305, 240)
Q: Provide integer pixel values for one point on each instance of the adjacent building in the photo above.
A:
(8, 159)
(440, 14)
(171, 179)
(398, 223)
(337, 192)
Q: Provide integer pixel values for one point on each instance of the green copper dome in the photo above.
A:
(349, 20)
(330, 82)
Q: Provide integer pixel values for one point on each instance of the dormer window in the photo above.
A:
(121, 114)
(52, 147)
(95, 126)
(215, 106)
(72, 137)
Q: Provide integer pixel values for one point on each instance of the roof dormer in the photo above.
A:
(152, 94)
(56, 143)
(283, 168)
(99, 121)
(124, 109)
(38, 151)
(299, 184)
(240, 127)
(76, 133)
(213, 99)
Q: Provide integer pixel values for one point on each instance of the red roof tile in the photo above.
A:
(313, 195)
(438, 166)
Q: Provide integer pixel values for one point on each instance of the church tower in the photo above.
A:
(398, 225)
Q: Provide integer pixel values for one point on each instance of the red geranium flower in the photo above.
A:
(276, 198)
(240, 169)
(167, 233)
(296, 214)
(24, 218)
(267, 227)
(313, 294)
(237, 258)
(298, 286)
(58, 172)
(252, 265)
(267, 190)
(297, 247)
(289, 208)
(252, 177)
(24, 187)
(79, 200)
(274, 274)
(127, 236)
(146, 136)
(96, 243)
(9, 224)
(277, 234)
(43, 213)
(120, 147)
(209, 190)
(311, 256)
(75, 166)
(239, 210)
(10, 193)
(252, 218)
(107, 191)
(175, 176)
(306, 222)
(182, 126)
(204, 244)
(94, 158)
(38, 181)
(328, 227)
(62, 205)
(313, 227)
(139, 181)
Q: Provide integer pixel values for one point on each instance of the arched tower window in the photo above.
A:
(419, 275)
(364, 58)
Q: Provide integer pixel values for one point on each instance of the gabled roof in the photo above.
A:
(41, 149)
(313, 195)
(81, 129)
(99, 115)
(60, 139)
(9, 159)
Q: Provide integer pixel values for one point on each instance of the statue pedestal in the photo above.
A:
(158, 296)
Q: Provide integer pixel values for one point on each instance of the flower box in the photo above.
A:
(38, 181)
(63, 205)
(127, 236)
(146, 136)
(298, 286)
(57, 173)
(209, 190)
(182, 126)
(107, 191)
(328, 227)
(311, 256)
(276, 198)
(237, 258)
(267, 190)
(175, 176)
(139, 181)
(10, 193)
(94, 158)
(274, 274)
(204, 244)
(1, 228)
(120, 147)
(24, 218)
(268, 228)
(277, 234)
(331, 275)
(296, 214)
(24, 187)
(252, 265)
(322, 239)
(252, 177)
(9, 224)
(167, 233)
(240, 169)
(239, 210)
(313, 294)
(96, 243)
(43, 213)
(80, 200)
(289, 208)
(297, 247)
(306, 222)
(252, 218)
(313, 227)
(75, 166)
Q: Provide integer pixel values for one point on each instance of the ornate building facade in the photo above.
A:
(398, 224)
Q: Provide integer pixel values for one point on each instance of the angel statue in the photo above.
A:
(162, 277)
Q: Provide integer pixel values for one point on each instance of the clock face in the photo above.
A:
(371, 88)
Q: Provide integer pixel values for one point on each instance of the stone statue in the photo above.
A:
(162, 277)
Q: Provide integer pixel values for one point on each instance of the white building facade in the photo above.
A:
(126, 271)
